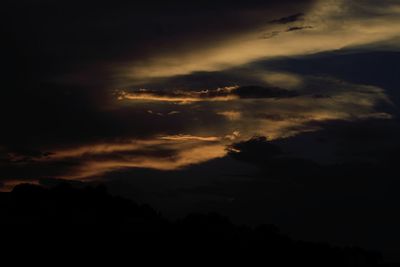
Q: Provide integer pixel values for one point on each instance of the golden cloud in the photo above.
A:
(335, 24)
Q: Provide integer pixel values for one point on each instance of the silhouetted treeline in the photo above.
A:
(67, 222)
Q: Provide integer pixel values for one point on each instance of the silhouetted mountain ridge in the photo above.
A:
(93, 220)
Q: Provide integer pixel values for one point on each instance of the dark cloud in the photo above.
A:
(281, 117)
(272, 34)
(257, 149)
(298, 28)
(361, 66)
(264, 92)
(340, 141)
(288, 19)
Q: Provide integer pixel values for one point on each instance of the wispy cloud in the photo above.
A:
(329, 25)
(168, 152)
(231, 114)
(229, 93)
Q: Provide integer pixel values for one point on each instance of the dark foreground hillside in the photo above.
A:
(71, 223)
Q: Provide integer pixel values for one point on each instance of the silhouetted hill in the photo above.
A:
(70, 222)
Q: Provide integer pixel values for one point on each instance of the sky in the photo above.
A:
(267, 111)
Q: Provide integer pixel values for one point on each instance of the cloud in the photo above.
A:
(367, 140)
(59, 97)
(288, 19)
(256, 149)
(283, 117)
(249, 92)
(362, 66)
(231, 115)
(275, 33)
(85, 42)
(199, 132)
(184, 97)
(298, 28)
(182, 158)
(163, 153)
(229, 93)
(185, 137)
(233, 136)
(335, 24)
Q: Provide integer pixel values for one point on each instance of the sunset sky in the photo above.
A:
(178, 104)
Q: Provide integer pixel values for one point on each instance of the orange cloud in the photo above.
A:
(330, 25)
(231, 115)
(97, 159)
(184, 137)
(183, 97)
